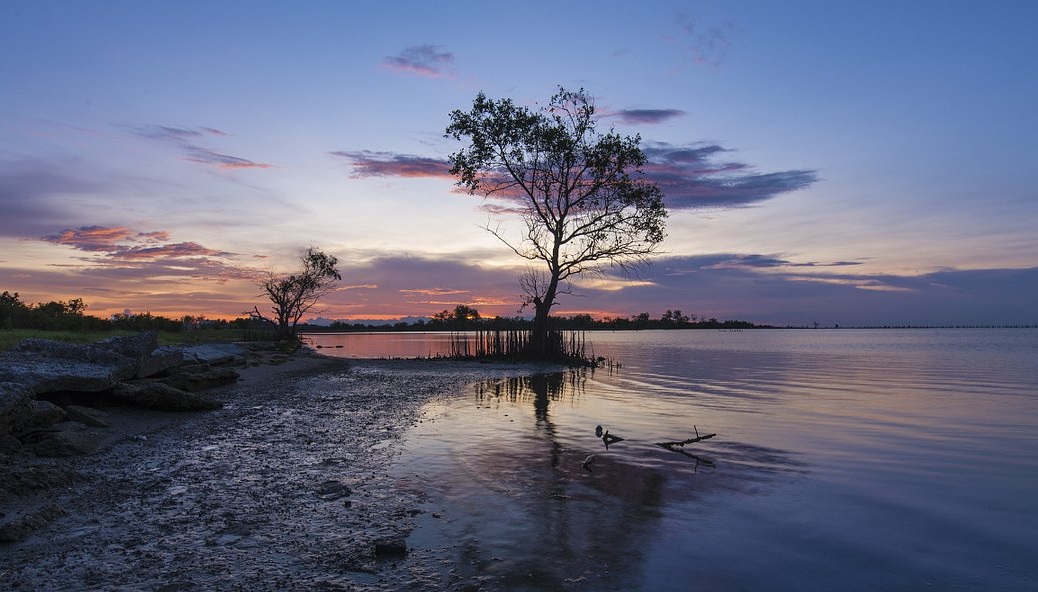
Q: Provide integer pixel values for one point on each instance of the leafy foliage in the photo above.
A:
(578, 193)
(293, 296)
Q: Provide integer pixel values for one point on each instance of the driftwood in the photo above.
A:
(699, 459)
(698, 438)
(679, 447)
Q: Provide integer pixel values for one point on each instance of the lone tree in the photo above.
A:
(292, 296)
(579, 193)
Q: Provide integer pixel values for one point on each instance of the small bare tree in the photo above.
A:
(292, 296)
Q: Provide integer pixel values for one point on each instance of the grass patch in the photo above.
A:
(10, 338)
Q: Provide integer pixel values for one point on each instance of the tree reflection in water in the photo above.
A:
(519, 511)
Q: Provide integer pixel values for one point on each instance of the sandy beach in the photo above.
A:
(285, 488)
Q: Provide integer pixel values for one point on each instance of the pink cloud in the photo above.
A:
(91, 238)
(386, 164)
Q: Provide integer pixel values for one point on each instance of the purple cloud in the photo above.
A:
(387, 164)
(645, 116)
(422, 60)
(185, 139)
(690, 179)
(688, 175)
(119, 242)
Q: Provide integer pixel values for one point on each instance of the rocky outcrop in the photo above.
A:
(82, 376)
(49, 366)
(215, 353)
(161, 360)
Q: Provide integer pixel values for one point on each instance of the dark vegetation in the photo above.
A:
(500, 337)
(68, 321)
(292, 296)
(466, 318)
(583, 203)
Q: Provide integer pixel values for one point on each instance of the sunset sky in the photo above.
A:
(860, 163)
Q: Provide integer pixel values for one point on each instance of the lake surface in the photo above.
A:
(843, 460)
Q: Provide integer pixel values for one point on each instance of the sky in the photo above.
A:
(853, 163)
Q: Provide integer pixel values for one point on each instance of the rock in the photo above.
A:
(156, 395)
(390, 547)
(87, 416)
(44, 414)
(214, 353)
(199, 381)
(136, 347)
(160, 360)
(333, 490)
(15, 406)
(48, 366)
(73, 439)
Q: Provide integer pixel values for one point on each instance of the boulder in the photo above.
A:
(200, 381)
(87, 416)
(160, 360)
(15, 406)
(44, 414)
(136, 347)
(48, 366)
(214, 353)
(156, 395)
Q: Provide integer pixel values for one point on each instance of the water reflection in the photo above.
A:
(515, 508)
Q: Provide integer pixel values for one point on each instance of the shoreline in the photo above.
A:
(286, 487)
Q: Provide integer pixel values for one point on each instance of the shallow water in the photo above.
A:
(851, 460)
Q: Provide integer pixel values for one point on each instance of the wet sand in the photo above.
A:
(285, 488)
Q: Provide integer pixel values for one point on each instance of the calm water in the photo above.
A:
(844, 460)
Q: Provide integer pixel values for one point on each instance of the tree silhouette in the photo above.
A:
(292, 296)
(572, 187)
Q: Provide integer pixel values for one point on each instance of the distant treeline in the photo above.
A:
(70, 316)
(466, 318)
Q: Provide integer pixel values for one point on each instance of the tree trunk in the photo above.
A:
(539, 341)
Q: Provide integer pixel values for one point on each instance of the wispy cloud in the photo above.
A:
(187, 141)
(433, 291)
(422, 60)
(765, 262)
(690, 178)
(699, 43)
(644, 116)
(387, 164)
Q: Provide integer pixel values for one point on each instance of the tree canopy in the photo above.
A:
(294, 295)
(580, 194)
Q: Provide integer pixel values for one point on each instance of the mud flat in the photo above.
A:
(284, 488)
